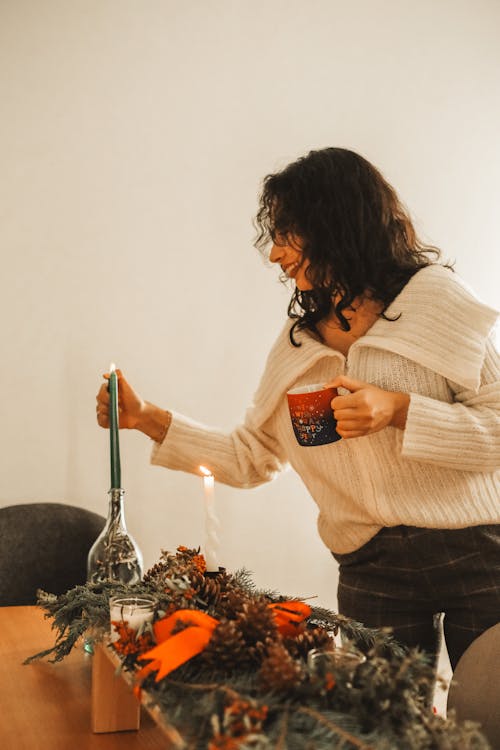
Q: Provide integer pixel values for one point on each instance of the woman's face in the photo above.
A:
(287, 251)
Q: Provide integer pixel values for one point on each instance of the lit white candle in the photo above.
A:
(212, 525)
(135, 611)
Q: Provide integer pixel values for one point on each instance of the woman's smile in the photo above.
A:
(287, 251)
(290, 268)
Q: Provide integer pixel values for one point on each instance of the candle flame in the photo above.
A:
(112, 367)
(206, 471)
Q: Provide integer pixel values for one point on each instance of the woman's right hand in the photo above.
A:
(131, 407)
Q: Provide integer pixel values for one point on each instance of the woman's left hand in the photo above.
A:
(367, 408)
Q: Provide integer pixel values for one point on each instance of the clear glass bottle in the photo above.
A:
(115, 556)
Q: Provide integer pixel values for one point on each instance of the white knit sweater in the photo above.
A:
(442, 471)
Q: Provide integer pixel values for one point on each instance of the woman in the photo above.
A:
(409, 499)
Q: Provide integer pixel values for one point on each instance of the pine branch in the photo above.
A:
(383, 698)
(335, 728)
(281, 741)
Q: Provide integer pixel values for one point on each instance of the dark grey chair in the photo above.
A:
(44, 545)
(475, 687)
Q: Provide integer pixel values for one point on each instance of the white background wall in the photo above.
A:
(134, 136)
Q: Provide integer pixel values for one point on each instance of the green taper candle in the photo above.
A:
(114, 442)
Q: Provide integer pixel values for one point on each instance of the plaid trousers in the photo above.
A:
(405, 577)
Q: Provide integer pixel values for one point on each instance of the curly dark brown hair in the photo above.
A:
(357, 235)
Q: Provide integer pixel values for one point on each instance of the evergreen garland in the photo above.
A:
(252, 686)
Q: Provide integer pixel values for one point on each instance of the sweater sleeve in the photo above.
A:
(246, 457)
(464, 434)
(252, 453)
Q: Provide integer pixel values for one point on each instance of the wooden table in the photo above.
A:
(46, 706)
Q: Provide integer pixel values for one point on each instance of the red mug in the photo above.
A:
(311, 414)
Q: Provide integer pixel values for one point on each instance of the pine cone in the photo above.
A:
(175, 565)
(279, 671)
(153, 572)
(208, 591)
(308, 639)
(258, 651)
(256, 621)
(244, 641)
(232, 601)
(226, 649)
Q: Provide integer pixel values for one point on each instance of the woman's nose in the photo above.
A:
(276, 254)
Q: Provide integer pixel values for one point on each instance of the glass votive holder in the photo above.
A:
(340, 659)
(134, 611)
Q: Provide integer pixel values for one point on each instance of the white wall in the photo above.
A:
(133, 139)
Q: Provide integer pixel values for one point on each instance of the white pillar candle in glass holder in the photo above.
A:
(135, 611)
(320, 661)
